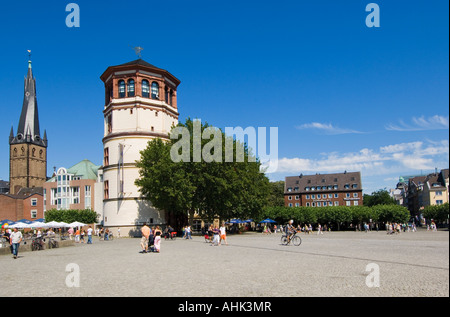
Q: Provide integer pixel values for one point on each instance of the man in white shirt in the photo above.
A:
(89, 234)
(15, 239)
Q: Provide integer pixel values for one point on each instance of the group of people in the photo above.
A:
(14, 238)
(216, 235)
(396, 228)
(80, 234)
(151, 239)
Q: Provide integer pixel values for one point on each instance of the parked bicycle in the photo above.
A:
(294, 239)
(37, 244)
(52, 243)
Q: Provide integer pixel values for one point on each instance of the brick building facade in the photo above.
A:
(321, 190)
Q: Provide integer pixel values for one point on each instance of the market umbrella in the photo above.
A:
(19, 225)
(38, 224)
(236, 221)
(6, 223)
(25, 221)
(76, 224)
(268, 221)
(55, 224)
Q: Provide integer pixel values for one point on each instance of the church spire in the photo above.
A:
(28, 129)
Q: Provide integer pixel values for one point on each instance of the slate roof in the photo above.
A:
(322, 182)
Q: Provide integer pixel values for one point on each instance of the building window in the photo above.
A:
(106, 156)
(106, 190)
(348, 203)
(297, 205)
(34, 202)
(130, 88)
(336, 195)
(289, 197)
(145, 89)
(307, 204)
(336, 203)
(290, 205)
(355, 203)
(87, 197)
(439, 202)
(297, 197)
(109, 123)
(307, 196)
(121, 89)
(155, 90)
(355, 195)
(166, 94)
(33, 214)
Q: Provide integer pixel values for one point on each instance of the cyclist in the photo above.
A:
(289, 229)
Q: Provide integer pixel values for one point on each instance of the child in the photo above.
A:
(157, 242)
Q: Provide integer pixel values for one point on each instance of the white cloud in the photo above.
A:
(391, 159)
(435, 122)
(326, 128)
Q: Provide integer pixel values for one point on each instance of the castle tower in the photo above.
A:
(28, 151)
(140, 104)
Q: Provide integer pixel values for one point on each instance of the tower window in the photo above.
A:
(171, 97)
(130, 88)
(145, 89)
(155, 90)
(121, 89)
(166, 94)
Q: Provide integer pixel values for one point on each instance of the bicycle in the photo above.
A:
(172, 235)
(37, 244)
(296, 240)
(52, 243)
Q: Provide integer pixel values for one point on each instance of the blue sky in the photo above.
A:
(343, 96)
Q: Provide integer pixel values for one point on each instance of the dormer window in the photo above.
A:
(155, 90)
(121, 89)
(145, 89)
(130, 88)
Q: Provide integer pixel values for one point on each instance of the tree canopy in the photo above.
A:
(178, 179)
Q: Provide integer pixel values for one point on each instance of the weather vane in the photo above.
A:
(137, 51)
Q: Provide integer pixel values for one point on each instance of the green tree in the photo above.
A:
(71, 215)
(276, 197)
(439, 213)
(379, 197)
(195, 183)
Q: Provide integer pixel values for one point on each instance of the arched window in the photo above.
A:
(130, 88)
(155, 90)
(171, 97)
(121, 89)
(145, 89)
(166, 94)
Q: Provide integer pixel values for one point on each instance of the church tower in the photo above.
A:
(140, 104)
(27, 150)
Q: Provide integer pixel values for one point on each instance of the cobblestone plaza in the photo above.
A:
(335, 264)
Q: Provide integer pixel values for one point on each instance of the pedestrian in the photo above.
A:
(145, 230)
(77, 235)
(70, 231)
(319, 229)
(188, 232)
(89, 234)
(83, 233)
(223, 234)
(216, 239)
(157, 243)
(118, 232)
(15, 239)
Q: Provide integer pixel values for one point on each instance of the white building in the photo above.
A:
(140, 104)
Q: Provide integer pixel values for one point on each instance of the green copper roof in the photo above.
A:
(85, 170)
